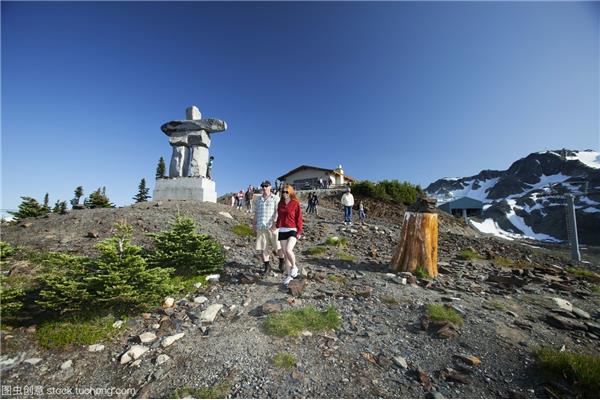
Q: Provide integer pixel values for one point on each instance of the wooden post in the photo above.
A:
(418, 244)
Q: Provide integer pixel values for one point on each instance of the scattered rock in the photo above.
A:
(452, 375)
(271, 308)
(200, 300)
(133, 353)
(297, 286)
(400, 362)
(209, 315)
(580, 313)
(225, 214)
(33, 361)
(118, 324)
(95, 348)
(169, 340)
(162, 359)
(471, 360)
(564, 304)
(146, 337)
(66, 365)
(169, 302)
(564, 323)
(213, 278)
(92, 235)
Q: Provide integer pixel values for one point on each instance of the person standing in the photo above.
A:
(209, 167)
(240, 199)
(289, 222)
(264, 225)
(315, 202)
(361, 212)
(249, 196)
(348, 203)
(309, 205)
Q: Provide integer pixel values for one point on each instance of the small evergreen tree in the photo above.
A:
(56, 208)
(187, 251)
(62, 207)
(98, 199)
(142, 194)
(29, 207)
(160, 169)
(78, 194)
(46, 201)
(120, 275)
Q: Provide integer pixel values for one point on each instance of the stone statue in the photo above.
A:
(190, 140)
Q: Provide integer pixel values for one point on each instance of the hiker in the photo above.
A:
(309, 203)
(315, 202)
(361, 212)
(240, 199)
(233, 199)
(289, 222)
(264, 225)
(209, 168)
(248, 197)
(348, 203)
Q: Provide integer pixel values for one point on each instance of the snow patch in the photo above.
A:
(589, 158)
(591, 210)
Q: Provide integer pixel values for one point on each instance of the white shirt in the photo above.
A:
(348, 200)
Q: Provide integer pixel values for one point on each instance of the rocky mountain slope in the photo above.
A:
(527, 199)
(512, 300)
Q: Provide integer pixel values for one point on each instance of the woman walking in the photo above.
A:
(289, 222)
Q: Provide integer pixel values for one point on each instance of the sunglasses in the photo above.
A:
(286, 192)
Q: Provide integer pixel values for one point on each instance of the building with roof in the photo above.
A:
(308, 177)
(463, 207)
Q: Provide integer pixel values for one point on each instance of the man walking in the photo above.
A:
(348, 203)
(264, 225)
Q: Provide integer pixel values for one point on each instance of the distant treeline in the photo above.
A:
(394, 191)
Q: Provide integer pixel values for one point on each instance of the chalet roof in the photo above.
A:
(303, 167)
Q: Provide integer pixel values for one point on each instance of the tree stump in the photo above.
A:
(418, 244)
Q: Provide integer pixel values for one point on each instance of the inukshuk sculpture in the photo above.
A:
(419, 239)
(190, 139)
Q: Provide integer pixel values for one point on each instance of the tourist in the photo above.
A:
(264, 225)
(249, 196)
(309, 203)
(348, 203)
(315, 202)
(289, 222)
(209, 167)
(233, 199)
(240, 199)
(361, 212)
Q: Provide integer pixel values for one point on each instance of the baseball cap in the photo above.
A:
(265, 183)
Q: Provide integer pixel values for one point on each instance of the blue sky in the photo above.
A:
(409, 91)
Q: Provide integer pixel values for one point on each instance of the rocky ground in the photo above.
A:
(384, 347)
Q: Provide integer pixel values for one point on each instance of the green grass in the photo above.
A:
(506, 262)
(389, 299)
(336, 241)
(440, 313)
(346, 257)
(584, 273)
(292, 322)
(243, 230)
(468, 254)
(284, 360)
(313, 251)
(56, 334)
(337, 278)
(581, 370)
(185, 284)
(218, 391)
(421, 272)
(498, 305)
(595, 289)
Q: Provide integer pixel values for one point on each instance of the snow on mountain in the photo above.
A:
(528, 199)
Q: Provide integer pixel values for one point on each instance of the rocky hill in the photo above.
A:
(512, 298)
(527, 199)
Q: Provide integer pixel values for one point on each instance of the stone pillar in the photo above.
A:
(199, 143)
(180, 159)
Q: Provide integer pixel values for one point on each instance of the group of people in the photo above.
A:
(278, 226)
(243, 199)
(313, 201)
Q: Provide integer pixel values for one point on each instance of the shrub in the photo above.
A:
(584, 273)
(284, 360)
(468, 254)
(98, 199)
(581, 370)
(188, 252)
(313, 251)
(420, 272)
(337, 278)
(6, 250)
(394, 191)
(440, 313)
(12, 295)
(243, 230)
(218, 391)
(120, 276)
(595, 289)
(292, 322)
(346, 257)
(56, 334)
(29, 207)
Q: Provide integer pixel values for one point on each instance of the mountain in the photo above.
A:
(527, 200)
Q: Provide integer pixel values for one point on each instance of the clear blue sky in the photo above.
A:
(409, 91)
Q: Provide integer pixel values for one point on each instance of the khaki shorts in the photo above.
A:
(266, 239)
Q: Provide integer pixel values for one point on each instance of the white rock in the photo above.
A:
(390, 275)
(227, 247)
(564, 304)
(400, 361)
(213, 278)
(197, 285)
(247, 302)
(225, 214)
(133, 353)
(118, 324)
(161, 359)
(147, 337)
(169, 340)
(403, 281)
(67, 364)
(306, 333)
(155, 326)
(581, 313)
(209, 315)
(95, 347)
(169, 301)
(136, 363)
(200, 300)
(33, 361)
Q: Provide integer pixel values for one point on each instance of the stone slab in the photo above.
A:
(185, 188)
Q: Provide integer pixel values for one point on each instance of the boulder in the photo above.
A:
(169, 340)
(209, 315)
(564, 323)
(146, 337)
(296, 287)
(133, 353)
(564, 304)
(271, 307)
(169, 302)
(200, 300)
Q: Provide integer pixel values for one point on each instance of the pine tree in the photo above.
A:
(78, 194)
(63, 207)
(46, 201)
(98, 199)
(29, 207)
(56, 208)
(142, 194)
(160, 169)
(187, 251)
